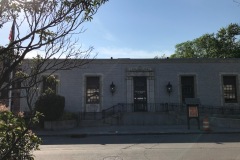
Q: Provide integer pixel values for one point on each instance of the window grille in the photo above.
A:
(229, 89)
(92, 90)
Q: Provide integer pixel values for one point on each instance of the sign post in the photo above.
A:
(192, 110)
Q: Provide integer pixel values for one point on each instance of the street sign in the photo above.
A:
(192, 110)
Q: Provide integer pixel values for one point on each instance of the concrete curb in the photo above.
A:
(82, 135)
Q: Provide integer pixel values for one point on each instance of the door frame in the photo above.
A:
(140, 98)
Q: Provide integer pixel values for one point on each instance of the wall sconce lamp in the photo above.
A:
(169, 88)
(112, 88)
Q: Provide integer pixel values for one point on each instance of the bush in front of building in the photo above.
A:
(51, 105)
(17, 141)
(69, 116)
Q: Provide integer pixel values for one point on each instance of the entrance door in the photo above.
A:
(140, 94)
(187, 84)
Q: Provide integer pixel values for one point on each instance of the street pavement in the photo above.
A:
(135, 130)
(123, 142)
(141, 147)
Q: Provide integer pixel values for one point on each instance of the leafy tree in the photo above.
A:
(17, 141)
(50, 27)
(183, 50)
(224, 44)
(47, 25)
(49, 103)
(160, 57)
(228, 42)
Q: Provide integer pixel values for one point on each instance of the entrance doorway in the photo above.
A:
(140, 94)
(187, 87)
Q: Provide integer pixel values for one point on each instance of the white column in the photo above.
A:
(151, 95)
(129, 92)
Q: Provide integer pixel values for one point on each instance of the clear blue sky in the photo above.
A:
(149, 28)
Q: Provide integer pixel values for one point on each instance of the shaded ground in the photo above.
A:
(127, 139)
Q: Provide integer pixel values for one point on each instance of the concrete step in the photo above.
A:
(114, 119)
(92, 123)
(148, 118)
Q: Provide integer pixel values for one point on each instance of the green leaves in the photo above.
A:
(46, 35)
(224, 44)
(15, 136)
(47, 25)
(51, 105)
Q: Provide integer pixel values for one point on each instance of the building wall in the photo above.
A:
(207, 72)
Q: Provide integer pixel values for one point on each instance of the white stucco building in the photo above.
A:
(104, 83)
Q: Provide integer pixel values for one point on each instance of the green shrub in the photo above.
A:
(68, 116)
(51, 105)
(17, 141)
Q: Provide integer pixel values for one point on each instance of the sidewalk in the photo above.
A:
(135, 130)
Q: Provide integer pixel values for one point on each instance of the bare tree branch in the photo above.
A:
(49, 26)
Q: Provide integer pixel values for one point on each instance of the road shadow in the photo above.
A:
(135, 139)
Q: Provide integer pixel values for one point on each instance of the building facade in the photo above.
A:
(104, 83)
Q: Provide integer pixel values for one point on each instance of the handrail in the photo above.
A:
(177, 108)
(130, 107)
(112, 110)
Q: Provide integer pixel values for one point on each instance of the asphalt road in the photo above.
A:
(142, 147)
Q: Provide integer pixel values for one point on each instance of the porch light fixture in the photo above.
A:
(169, 88)
(112, 88)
